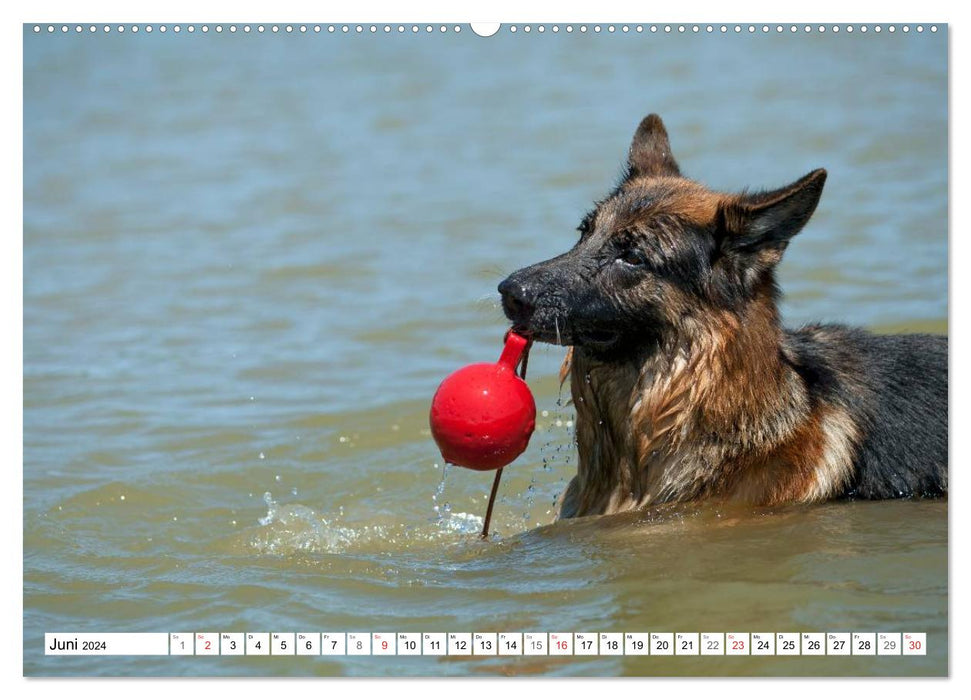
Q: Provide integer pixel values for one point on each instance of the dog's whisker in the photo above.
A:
(491, 298)
(492, 301)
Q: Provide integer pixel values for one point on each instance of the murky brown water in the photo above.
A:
(248, 262)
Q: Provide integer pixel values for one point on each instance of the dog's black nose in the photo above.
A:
(515, 300)
(510, 288)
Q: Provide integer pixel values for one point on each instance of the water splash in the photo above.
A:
(439, 492)
(447, 521)
(292, 528)
(271, 509)
(461, 523)
(530, 497)
(556, 454)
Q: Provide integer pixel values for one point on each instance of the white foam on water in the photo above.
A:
(293, 528)
(463, 523)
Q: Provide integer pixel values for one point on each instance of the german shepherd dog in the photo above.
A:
(685, 385)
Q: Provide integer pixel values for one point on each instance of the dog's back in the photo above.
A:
(894, 390)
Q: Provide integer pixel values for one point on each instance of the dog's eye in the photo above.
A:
(632, 256)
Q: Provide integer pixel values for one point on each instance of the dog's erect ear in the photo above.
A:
(650, 151)
(761, 224)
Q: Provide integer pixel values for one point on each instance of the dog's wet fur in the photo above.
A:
(685, 384)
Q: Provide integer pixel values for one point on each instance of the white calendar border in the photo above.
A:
(242, 689)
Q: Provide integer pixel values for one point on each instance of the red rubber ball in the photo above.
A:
(483, 415)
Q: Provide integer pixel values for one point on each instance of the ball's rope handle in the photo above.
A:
(495, 483)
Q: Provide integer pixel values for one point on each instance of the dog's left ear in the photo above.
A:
(650, 151)
(760, 225)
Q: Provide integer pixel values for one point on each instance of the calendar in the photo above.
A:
(251, 250)
(487, 644)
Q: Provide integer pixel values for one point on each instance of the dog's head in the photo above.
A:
(658, 251)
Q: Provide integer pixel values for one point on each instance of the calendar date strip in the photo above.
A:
(481, 644)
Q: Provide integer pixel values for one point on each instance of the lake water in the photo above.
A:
(250, 259)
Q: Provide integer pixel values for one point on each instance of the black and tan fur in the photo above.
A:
(685, 384)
